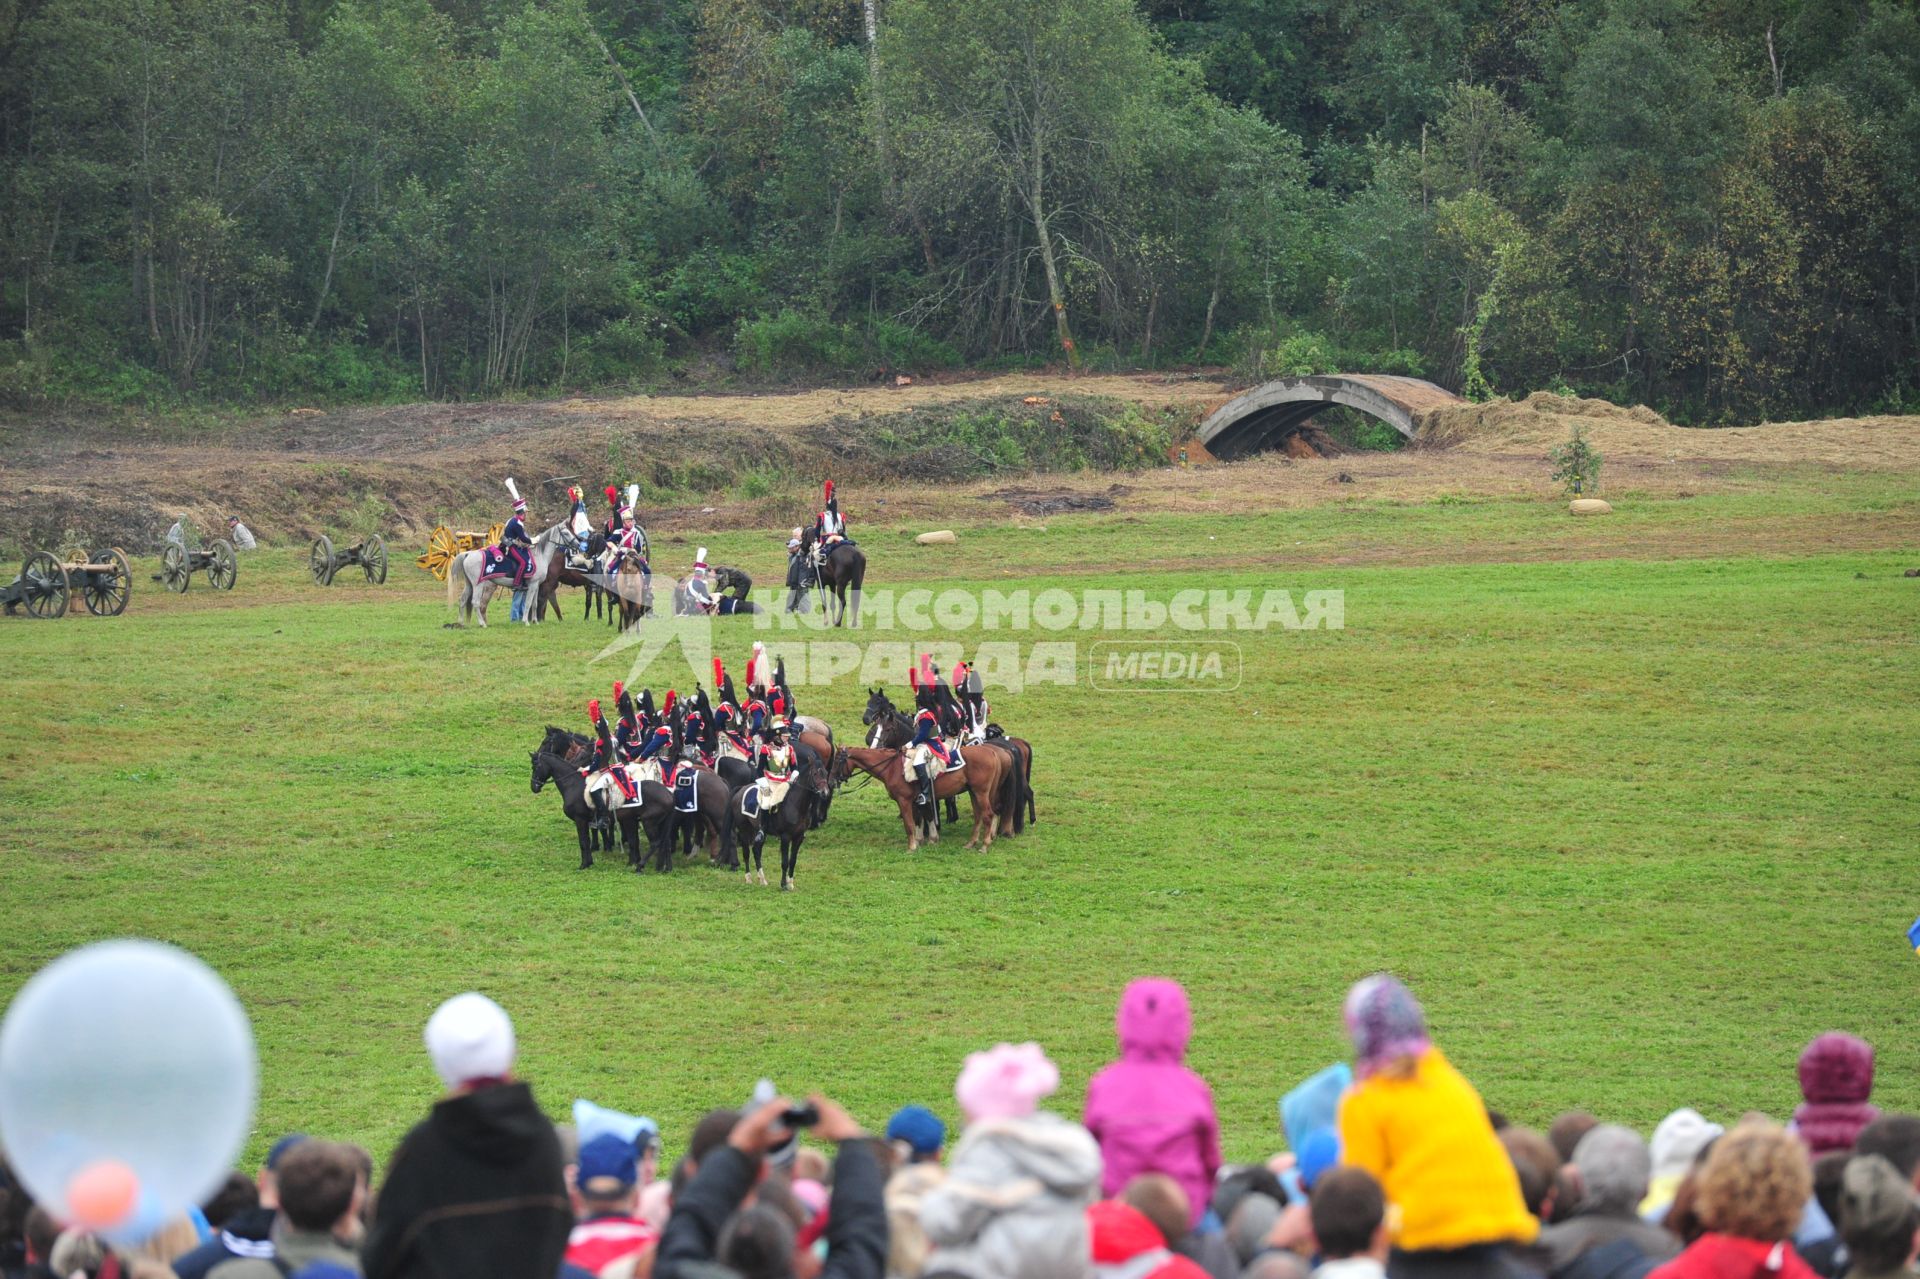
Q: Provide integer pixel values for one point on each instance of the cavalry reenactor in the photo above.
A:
(970, 692)
(514, 553)
(928, 753)
(829, 527)
(580, 525)
(699, 589)
(628, 733)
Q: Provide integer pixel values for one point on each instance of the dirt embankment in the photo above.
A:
(953, 450)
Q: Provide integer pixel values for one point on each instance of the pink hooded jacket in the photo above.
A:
(1148, 1111)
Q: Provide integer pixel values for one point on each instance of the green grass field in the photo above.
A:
(1634, 828)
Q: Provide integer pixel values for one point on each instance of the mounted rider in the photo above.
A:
(731, 737)
(776, 760)
(624, 545)
(655, 761)
(614, 505)
(512, 556)
(628, 733)
(581, 526)
(929, 753)
(970, 694)
(829, 527)
(601, 771)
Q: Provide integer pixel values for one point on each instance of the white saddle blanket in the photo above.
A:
(917, 756)
(772, 793)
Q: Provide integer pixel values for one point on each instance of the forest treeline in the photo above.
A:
(1707, 205)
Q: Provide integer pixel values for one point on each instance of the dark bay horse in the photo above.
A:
(653, 809)
(843, 569)
(790, 820)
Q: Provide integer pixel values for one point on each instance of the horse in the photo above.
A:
(632, 586)
(575, 749)
(468, 596)
(790, 820)
(560, 573)
(565, 775)
(889, 726)
(990, 779)
(708, 815)
(842, 569)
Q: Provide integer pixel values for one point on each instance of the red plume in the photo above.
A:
(619, 690)
(913, 679)
(719, 675)
(779, 704)
(593, 709)
(667, 707)
(829, 491)
(613, 495)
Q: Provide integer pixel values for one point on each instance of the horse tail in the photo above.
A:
(1020, 796)
(456, 580)
(1027, 783)
(858, 581)
(1008, 798)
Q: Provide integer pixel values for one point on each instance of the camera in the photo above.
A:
(802, 1116)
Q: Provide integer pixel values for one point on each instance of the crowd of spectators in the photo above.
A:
(1395, 1168)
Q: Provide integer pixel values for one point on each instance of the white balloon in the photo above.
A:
(131, 1052)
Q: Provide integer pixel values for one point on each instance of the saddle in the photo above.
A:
(949, 758)
(502, 563)
(734, 746)
(769, 792)
(686, 794)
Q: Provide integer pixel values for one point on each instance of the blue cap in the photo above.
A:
(281, 1147)
(919, 1128)
(608, 1157)
(1319, 1152)
(325, 1270)
(1913, 934)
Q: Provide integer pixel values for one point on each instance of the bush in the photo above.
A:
(1575, 463)
(796, 344)
(623, 352)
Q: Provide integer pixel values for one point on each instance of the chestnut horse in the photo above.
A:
(990, 779)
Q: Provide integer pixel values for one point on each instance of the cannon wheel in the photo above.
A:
(373, 558)
(225, 569)
(106, 594)
(173, 568)
(440, 552)
(45, 584)
(320, 560)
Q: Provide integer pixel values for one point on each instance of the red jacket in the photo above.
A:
(1124, 1240)
(1716, 1256)
(600, 1241)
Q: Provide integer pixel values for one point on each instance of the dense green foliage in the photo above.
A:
(1708, 205)
(1603, 814)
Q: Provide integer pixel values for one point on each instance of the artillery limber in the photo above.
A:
(445, 543)
(369, 556)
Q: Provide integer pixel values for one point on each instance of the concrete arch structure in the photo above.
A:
(1261, 418)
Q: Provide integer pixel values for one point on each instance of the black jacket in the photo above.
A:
(251, 1225)
(475, 1189)
(856, 1222)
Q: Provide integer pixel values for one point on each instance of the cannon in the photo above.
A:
(46, 584)
(369, 556)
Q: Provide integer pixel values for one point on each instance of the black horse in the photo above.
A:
(653, 810)
(791, 819)
(843, 569)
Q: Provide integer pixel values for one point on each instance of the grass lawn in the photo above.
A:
(1635, 825)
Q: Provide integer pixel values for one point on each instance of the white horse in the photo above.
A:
(467, 595)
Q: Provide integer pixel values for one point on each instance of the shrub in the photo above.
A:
(1576, 464)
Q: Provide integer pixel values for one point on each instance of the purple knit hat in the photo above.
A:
(1385, 1022)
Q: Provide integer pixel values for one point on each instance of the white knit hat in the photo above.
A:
(1678, 1139)
(470, 1037)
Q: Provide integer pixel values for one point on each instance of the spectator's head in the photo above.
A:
(1349, 1211)
(320, 1186)
(1836, 1067)
(1251, 1179)
(1319, 1152)
(709, 1135)
(470, 1039)
(1008, 1081)
(1119, 1233)
(1154, 1021)
(1276, 1265)
(1828, 1169)
(1251, 1221)
(237, 1194)
(811, 1165)
(40, 1230)
(1896, 1138)
(757, 1242)
(1388, 1028)
(1567, 1130)
(269, 1178)
(607, 1176)
(1160, 1200)
(1755, 1184)
(1678, 1139)
(1879, 1215)
(1683, 1218)
(1538, 1166)
(1615, 1168)
(917, 1134)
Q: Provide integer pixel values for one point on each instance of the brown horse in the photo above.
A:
(988, 778)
